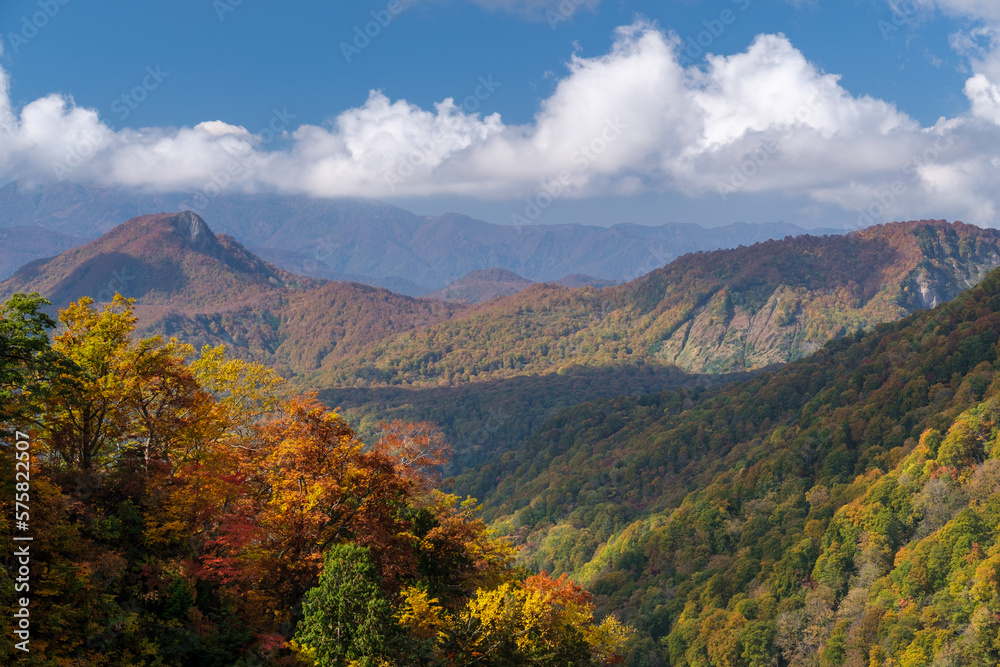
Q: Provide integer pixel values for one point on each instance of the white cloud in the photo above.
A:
(984, 96)
(979, 43)
(987, 10)
(765, 120)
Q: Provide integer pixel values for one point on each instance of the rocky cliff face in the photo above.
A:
(718, 336)
(738, 338)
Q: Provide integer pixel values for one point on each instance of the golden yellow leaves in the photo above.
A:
(422, 615)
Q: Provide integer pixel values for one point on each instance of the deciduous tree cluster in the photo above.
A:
(187, 511)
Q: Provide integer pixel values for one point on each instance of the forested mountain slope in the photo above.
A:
(171, 260)
(718, 312)
(308, 328)
(483, 285)
(840, 510)
(180, 509)
(724, 311)
(208, 289)
(380, 354)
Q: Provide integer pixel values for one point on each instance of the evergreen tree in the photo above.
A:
(347, 617)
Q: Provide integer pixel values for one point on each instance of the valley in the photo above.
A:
(690, 446)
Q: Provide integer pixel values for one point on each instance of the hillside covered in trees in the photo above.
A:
(184, 510)
(187, 510)
(840, 511)
(724, 311)
(191, 510)
(491, 374)
(717, 312)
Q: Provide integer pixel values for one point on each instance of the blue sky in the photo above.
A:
(165, 95)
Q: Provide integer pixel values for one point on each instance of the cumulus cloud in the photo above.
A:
(765, 120)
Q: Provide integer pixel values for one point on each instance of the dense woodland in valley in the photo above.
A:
(840, 511)
(482, 418)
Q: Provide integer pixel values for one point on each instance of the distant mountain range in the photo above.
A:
(370, 242)
(20, 245)
(718, 312)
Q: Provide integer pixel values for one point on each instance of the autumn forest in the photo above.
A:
(786, 453)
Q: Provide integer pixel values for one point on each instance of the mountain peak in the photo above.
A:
(190, 224)
(164, 259)
(185, 227)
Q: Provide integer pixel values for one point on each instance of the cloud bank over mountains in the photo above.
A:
(634, 120)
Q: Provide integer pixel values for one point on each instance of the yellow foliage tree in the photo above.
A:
(540, 621)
